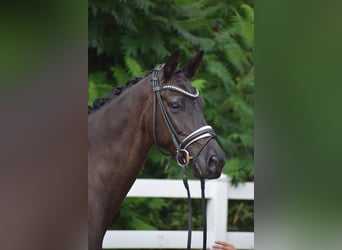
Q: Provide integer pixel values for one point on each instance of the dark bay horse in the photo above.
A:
(162, 108)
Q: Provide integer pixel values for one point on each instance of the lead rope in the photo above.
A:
(204, 214)
(186, 185)
(204, 210)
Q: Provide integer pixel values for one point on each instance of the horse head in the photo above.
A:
(179, 125)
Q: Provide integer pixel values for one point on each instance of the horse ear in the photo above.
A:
(191, 67)
(170, 65)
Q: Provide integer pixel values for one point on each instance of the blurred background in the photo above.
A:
(44, 89)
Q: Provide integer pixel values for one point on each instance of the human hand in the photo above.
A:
(223, 245)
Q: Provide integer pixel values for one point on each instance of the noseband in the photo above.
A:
(183, 157)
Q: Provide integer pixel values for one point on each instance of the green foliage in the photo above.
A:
(128, 38)
(241, 216)
(97, 86)
(132, 214)
(156, 214)
(133, 66)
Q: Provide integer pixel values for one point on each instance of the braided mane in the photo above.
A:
(99, 102)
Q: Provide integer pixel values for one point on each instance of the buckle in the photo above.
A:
(157, 88)
(183, 157)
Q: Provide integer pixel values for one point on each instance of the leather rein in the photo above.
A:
(183, 157)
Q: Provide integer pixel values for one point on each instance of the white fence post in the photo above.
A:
(217, 210)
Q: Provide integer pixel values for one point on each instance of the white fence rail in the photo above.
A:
(217, 192)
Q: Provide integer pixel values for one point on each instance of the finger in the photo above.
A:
(218, 247)
(223, 243)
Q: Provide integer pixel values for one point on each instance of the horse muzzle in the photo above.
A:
(207, 158)
(209, 165)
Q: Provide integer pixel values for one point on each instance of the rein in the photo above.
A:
(183, 157)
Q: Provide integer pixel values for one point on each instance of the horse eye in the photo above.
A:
(175, 105)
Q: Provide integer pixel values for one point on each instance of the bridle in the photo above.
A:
(183, 157)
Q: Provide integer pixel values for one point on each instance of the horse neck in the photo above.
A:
(119, 138)
(123, 119)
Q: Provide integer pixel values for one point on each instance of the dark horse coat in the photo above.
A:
(120, 135)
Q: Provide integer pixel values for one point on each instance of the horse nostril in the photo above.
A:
(214, 167)
(213, 161)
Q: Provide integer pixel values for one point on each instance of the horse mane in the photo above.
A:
(99, 102)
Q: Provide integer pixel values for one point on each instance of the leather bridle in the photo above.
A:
(183, 157)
